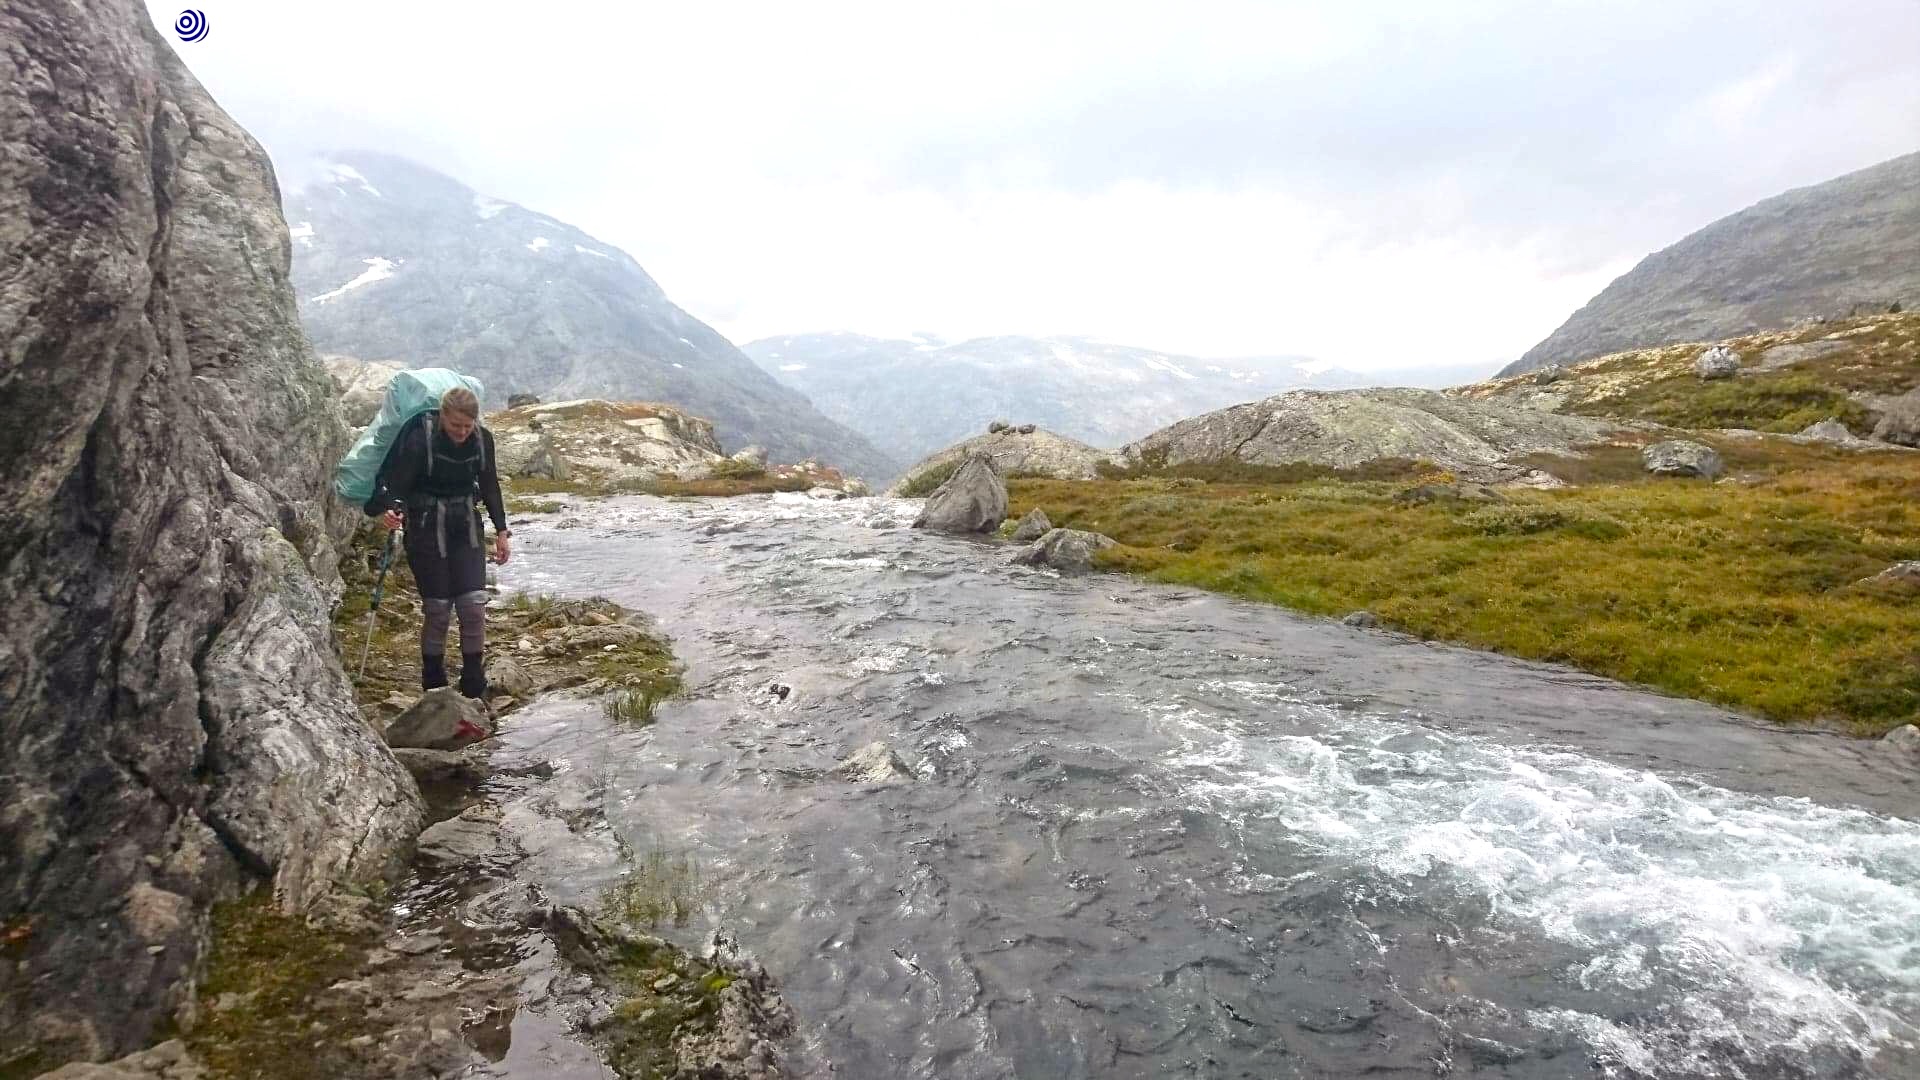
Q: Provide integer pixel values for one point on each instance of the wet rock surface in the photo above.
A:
(441, 720)
(1032, 527)
(1069, 551)
(175, 725)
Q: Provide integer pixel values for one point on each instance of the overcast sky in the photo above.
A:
(1378, 184)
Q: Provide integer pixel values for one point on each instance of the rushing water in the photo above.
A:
(1156, 832)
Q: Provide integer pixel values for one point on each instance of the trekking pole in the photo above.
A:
(379, 587)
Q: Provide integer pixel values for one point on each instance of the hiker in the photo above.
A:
(441, 463)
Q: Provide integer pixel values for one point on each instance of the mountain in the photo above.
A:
(1824, 250)
(394, 261)
(913, 397)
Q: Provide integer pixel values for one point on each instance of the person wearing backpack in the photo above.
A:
(437, 468)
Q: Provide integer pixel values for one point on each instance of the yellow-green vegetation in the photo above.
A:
(269, 1014)
(1836, 363)
(926, 481)
(660, 888)
(1743, 593)
(670, 996)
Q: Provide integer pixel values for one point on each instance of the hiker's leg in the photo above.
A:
(468, 572)
(436, 604)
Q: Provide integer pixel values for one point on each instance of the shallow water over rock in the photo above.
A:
(1156, 832)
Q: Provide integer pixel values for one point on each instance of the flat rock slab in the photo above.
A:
(473, 841)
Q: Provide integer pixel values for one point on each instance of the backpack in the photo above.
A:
(410, 395)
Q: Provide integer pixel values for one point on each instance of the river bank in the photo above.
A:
(1756, 592)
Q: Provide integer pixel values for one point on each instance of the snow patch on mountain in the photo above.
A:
(346, 174)
(538, 244)
(378, 269)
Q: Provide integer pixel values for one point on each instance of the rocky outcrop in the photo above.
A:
(602, 442)
(1717, 362)
(395, 261)
(173, 720)
(1681, 457)
(1899, 421)
(1832, 249)
(1013, 453)
(973, 500)
(1069, 551)
(1830, 431)
(363, 385)
(1032, 527)
(1477, 440)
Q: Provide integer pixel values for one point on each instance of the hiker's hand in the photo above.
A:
(392, 520)
(501, 549)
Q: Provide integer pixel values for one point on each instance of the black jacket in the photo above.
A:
(456, 469)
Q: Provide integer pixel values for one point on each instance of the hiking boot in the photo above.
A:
(473, 675)
(433, 671)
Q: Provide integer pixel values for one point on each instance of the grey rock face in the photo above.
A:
(442, 766)
(395, 261)
(1899, 421)
(1681, 457)
(509, 676)
(173, 721)
(440, 720)
(1037, 453)
(544, 462)
(1032, 527)
(1343, 429)
(997, 427)
(1069, 551)
(1361, 620)
(521, 401)
(1820, 250)
(751, 455)
(1718, 362)
(973, 500)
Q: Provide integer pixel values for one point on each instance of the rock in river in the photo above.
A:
(973, 500)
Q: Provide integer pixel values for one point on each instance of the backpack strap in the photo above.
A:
(428, 421)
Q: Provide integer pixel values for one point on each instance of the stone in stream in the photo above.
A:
(440, 720)
(442, 766)
(473, 841)
(973, 500)
(1681, 457)
(1032, 527)
(1069, 551)
(506, 675)
(874, 763)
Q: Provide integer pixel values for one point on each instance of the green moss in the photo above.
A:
(1738, 593)
(279, 1022)
(927, 481)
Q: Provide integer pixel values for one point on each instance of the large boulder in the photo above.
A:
(174, 721)
(1717, 362)
(1032, 527)
(1904, 743)
(1899, 421)
(521, 401)
(1069, 551)
(1681, 457)
(973, 500)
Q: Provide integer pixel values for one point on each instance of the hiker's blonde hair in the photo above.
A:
(460, 402)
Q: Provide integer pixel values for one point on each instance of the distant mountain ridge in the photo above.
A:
(395, 261)
(1851, 242)
(913, 397)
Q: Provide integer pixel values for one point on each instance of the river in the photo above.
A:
(1155, 832)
